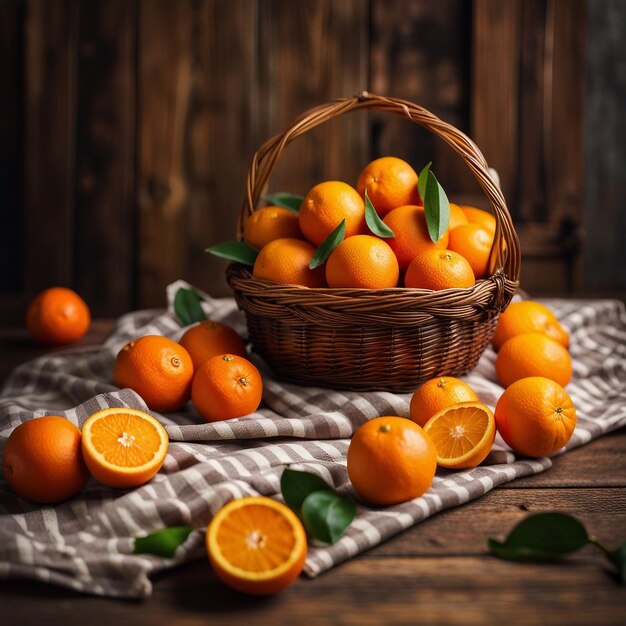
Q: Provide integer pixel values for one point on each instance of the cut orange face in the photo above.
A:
(463, 434)
(123, 447)
(256, 545)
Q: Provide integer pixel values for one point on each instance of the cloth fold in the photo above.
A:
(86, 543)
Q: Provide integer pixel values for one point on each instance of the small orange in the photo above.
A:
(269, 223)
(158, 369)
(225, 387)
(526, 317)
(457, 217)
(325, 205)
(533, 354)
(474, 243)
(535, 416)
(286, 261)
(391, 460)
(123, 448)
(256, 545)
(390, 182)
(411, 233)
(436, 269)
(463, 434)
(210, 338)
(58, 316)
(362, 261)
(42, 460)
(437, 394)
(480, 217)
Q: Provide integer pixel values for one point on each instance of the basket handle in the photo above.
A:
(503, 258)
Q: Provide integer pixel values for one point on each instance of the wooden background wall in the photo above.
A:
(127, 126)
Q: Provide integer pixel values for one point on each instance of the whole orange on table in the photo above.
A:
(256, 545)
(535, 416)
(42, 460)
(209, 338)
(391, 460)
(158, 369)
(533, 354)
(58, 316)
(225, 387)
(437, 394)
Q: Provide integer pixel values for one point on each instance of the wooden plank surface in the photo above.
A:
(105, 163)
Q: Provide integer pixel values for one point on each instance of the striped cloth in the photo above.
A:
(86, 543)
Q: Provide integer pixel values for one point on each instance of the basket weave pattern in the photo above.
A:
(389, 339)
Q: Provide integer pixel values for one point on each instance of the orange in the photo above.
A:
(437, 394)
(208, 339)
(526, 317)
(269, 223)
(42, 460)
(436, 269)
(158, 369)
(391, 460)
(226, 386)
(390, 182)
(123, 447)
(325, 205)
(286, 261)
(533, 354)
(463, 434)
(58, 316)
(480, 217)
(457, 217)
(411, 233)
(362, 261)
(535, 416)
(256, 545)
(474, 243)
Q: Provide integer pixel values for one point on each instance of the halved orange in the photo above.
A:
(256, 545)
(463, 434)
(123, 447)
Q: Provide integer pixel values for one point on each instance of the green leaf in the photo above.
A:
(436, 208)
(541, 537)
(237, 251)
(328, 245)
(421, 180)
(618, 558)
(286, 200)
(296, 486)
(162, 542)
(187, 307)
(326, 515)
(374, 223)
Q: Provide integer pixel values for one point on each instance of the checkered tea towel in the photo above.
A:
(86, 543)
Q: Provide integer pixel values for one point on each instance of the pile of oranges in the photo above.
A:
(287, 241)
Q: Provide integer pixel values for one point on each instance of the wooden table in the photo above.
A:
(438, 572)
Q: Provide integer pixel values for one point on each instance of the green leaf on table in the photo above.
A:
(373, 221)
(328, 245)
(618, 558)
(296, 486)
(237, 251)
(326, 515)
(163, 542)
(541, 537)
(436, 207)
(286, 200)
(187, 306)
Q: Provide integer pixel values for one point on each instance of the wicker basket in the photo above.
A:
(363, 339)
